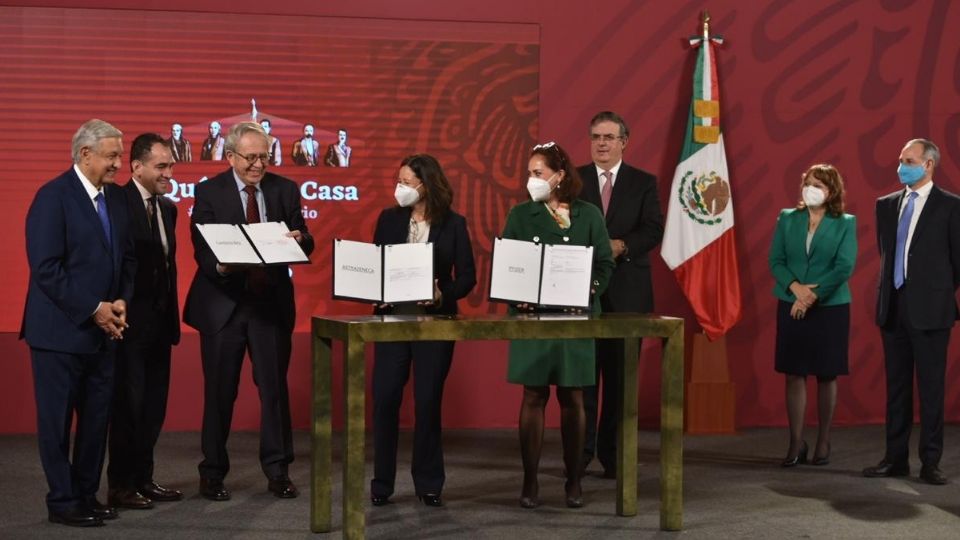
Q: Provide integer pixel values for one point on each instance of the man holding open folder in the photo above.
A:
(245, 309)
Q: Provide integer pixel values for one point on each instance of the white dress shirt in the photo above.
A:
(157, 220)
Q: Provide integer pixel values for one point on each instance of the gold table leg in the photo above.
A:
(671, 433)
(354, 397)
(321, 435)
(627, 430)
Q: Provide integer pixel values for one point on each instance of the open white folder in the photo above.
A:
(391, 274)
(547, 275)
(261, 244)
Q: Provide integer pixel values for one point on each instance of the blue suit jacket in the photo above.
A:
(72, 267)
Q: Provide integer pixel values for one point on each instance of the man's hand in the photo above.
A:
(108, 320)
(120, 310)
(296, 235)
(618, 246)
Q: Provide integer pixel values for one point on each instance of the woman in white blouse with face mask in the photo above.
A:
(422, 214)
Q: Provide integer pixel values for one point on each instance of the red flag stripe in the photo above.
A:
(711, 282)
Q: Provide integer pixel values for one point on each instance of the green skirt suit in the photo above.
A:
(561, 362)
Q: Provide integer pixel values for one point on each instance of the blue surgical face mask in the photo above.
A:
(910, 174)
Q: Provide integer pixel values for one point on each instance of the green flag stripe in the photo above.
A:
(691, 147)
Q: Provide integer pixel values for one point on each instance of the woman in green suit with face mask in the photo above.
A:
(555, 215)
(812, 257)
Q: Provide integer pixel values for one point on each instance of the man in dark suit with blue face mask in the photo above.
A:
(918, 233)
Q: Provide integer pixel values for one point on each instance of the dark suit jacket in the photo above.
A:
(933, 267)
(453, 265)
(72, 267)
(634, 217)
(212, 297)
(153, 316)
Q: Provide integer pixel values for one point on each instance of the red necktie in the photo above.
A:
(253, 208)
(607, 190)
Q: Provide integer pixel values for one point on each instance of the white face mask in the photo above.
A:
(406, 195)
(539, 188)
(813, 196)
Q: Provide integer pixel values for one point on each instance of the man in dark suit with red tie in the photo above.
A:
(628, 198)
(239, 310)
(143, 359)
(81, 281)
(918, 233)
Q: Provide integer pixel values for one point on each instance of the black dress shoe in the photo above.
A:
(379, 500)
(886, 469)
(75, 518)
(128, 498)
(156, 492)
(283, 488)
(431, 499)
(932, 475)
(821, 460)
(102, 511)
(798, 459)
(214, 490)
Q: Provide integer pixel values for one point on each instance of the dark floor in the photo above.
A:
(733, 489)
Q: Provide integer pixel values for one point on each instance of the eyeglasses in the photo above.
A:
(605, 137)
(252, 158)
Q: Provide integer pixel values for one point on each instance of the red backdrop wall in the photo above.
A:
(844, 82)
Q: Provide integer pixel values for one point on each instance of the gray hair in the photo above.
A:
(239, 130)
(930, 150)
(90, 134)
(610, 116)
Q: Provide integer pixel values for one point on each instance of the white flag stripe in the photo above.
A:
(683, 237)
(706, 79)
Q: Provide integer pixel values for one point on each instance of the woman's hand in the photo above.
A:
(804, 293)
(798, 310)
(437, 296)
(525, 308)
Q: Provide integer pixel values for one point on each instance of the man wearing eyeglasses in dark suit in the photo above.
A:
(628, 198)
(238, 310)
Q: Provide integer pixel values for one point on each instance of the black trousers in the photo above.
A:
(66, 385)
(907, 349)
(605, 396)
(252, 328)
(142, 382)
(431, 362)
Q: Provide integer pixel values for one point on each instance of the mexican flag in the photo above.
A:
(698, 243)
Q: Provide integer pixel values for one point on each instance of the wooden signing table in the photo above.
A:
(356, 331)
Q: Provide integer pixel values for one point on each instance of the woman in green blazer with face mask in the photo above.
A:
(812, 257)
(555, 215)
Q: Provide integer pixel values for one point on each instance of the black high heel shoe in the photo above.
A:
(799, 459)
(821, 460)
(528, 498)
(573, 501)
(431, 499)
